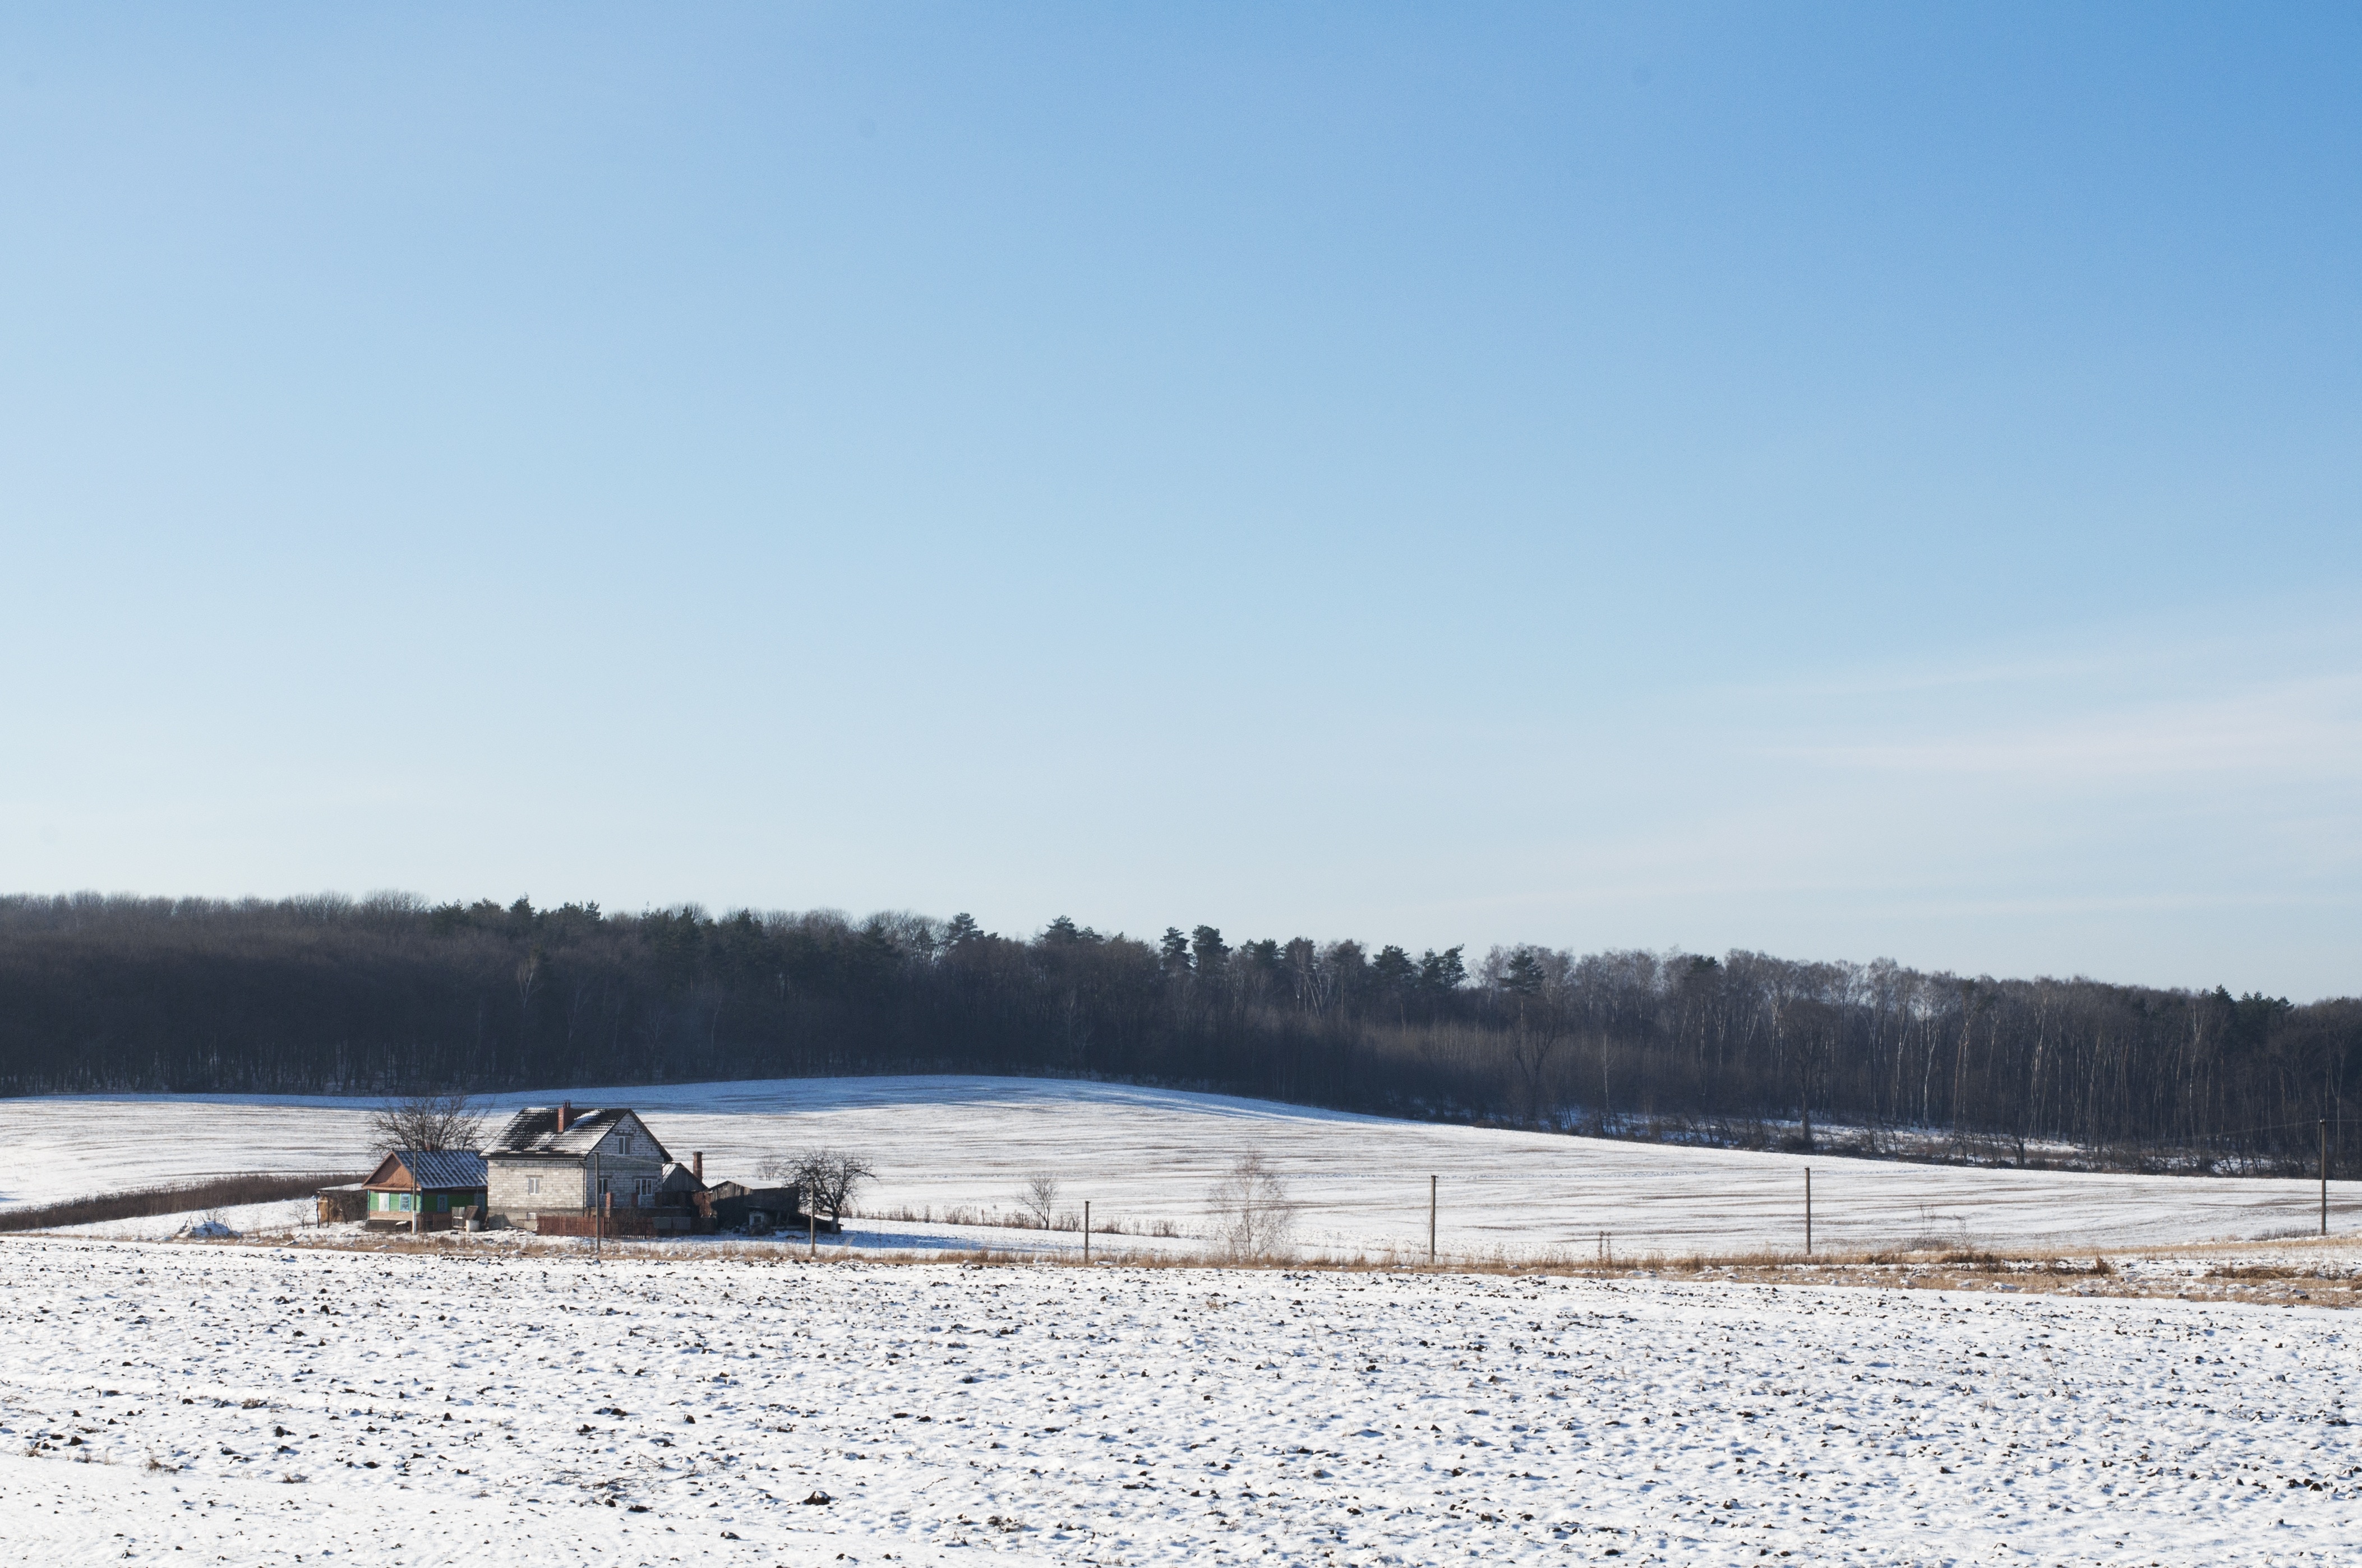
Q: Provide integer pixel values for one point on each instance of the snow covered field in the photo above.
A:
(252, 1404)
(1145, 1159)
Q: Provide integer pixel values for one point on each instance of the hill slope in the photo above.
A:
(1146, 1156)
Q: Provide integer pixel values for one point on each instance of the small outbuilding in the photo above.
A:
(424, 1188)
(343, 1203)
(758, 1211)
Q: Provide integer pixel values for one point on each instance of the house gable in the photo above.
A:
(629, 1138)
(391, 1172)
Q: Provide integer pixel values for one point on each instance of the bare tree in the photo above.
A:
(1039, 1198)
(426, 1122)
(1251, 1212)
(830, 1178)
(1532, 982)
(205, 994)
(1808, 1029)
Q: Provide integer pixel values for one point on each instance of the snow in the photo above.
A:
(1146, 1158)
(284, 1217)
(252, 1404)
(208, 1227)
(497, 1398)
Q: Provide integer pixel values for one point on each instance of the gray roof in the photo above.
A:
(534, 1130)
(444, 1167)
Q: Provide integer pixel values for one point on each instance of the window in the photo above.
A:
(533, 1184)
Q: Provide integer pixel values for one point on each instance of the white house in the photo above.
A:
(555, 1160)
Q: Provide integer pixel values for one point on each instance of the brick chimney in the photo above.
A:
(697, 1165)
(565, 1114)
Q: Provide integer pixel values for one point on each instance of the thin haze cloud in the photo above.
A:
(2292, 731)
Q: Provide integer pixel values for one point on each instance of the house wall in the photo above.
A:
(564, 1185)
(385, 1203)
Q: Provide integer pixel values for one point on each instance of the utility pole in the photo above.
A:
(2324, 1176)
(1430, 1222)
(1808, 1210)
(597, 1224)
(1087, 1232)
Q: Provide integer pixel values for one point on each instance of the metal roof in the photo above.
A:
(443, 1168)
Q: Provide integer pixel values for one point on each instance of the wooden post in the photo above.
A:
(598, 1225)
(814, 1217)
(2324, 1176)
(1087, 1232)
(1808, 1210)
(1430, 1222)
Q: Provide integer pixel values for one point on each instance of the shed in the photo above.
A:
(758, 1210)
(343, 1203)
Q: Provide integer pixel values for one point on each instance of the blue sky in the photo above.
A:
(1844, 481)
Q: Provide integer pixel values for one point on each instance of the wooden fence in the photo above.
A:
(631, 1223)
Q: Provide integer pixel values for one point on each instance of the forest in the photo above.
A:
(389, 994)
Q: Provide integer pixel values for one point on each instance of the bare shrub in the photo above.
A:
(1040, 1199)
(426, 1122)
(1251, 1214)
(827, 1178)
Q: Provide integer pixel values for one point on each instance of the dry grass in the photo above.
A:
(177, 1197)
(2204, 1271)
(976, 1217)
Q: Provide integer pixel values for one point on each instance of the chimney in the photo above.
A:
(697, 1165)
(565, 1113)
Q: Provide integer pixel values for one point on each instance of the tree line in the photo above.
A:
(389, 995)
